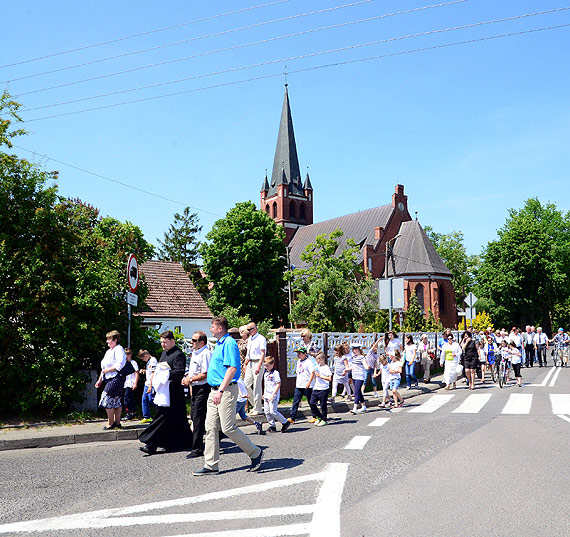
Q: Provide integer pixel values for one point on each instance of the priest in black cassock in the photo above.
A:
(170, 429)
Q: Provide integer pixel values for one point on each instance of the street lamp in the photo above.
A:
(389, 251)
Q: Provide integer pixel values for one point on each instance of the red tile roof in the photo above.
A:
(171, 293)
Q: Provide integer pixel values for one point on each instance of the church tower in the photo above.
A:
(285, 198)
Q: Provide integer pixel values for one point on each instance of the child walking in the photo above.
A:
(323, 376)
(381, 370)
(271, 394)
(395, 370)
(130, 386)
(148, 394)
(240, 406)
(340, 376)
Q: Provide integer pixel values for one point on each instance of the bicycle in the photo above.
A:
(503, 369)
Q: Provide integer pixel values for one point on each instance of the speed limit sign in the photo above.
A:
(133, 273)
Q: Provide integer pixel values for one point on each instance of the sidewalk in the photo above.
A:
(60, 435)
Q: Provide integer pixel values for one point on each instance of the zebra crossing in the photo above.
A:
(514, 404)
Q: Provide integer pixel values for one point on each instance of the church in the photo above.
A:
(379, 231)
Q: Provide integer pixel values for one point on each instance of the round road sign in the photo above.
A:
(133, 272)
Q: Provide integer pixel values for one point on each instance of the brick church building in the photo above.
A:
(289, 201)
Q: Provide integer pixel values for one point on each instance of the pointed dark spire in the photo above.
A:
(265, 185)
(307, 185)
(286, 163)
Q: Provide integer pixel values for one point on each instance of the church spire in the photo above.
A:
(286, 163)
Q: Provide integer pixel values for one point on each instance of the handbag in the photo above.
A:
(458, 369)
(127, 369)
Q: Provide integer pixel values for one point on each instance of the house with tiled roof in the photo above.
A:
(380, 232)
(172, 302)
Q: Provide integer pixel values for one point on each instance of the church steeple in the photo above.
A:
(285, 198)
(286, 163)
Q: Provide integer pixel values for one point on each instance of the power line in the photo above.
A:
(117, 182)
(166, 62)
(303, 56)
(204, 19)
(336, 64)
(187, 41)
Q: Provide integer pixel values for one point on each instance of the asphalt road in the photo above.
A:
(488, 462)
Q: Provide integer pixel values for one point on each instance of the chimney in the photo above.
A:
(377, 232)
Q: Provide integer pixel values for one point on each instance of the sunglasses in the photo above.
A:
(195, 340)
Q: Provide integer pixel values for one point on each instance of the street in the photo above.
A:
(488, 462)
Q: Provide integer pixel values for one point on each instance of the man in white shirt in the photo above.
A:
(200, 389)
(540, 345)
(254, 368)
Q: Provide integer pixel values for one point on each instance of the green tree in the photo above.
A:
(332, 293)
(462, 266)
(180, 244)
(525, 273)
(61, 268)
(414, 320)
(245, 258)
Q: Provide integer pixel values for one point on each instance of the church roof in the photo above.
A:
(286, 163)
(171, 293)
(358, 226)
(414, 253)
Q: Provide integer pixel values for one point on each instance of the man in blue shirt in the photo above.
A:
(223, 372)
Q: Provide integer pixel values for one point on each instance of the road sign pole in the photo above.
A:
(129, 328)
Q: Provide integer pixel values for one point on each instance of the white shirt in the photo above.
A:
(150, 367)
(199, 362)
(395, 369)
(255, 345)
(540, 338)
(116, 358)
(339, 365)
(272, 379)
(161, 383)
(393, 345)
(242, 396)
(325, 371)
(516, 356)
(410, 353)
(358, 369)
(130, 379)
(303, 370)
(516, 339)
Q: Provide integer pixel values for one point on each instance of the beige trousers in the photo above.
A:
(222, 417)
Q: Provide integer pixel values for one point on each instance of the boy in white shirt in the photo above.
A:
(148, 395)
(395, 370)
(303, 385)
(271, 394)
(323, 375)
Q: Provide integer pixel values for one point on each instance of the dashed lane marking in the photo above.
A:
(565, 418)
(378, 422)
(358, 442)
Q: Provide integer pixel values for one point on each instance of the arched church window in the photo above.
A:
(274, 209)
(292, 210)
(420, 295)
(302, 213)
(267, 208)
(442, 304)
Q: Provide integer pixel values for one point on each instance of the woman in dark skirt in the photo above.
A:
(170, 429)
(470, 358)
(112, 382)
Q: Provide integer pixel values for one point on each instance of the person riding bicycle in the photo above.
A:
(505, 353)
(561, 342)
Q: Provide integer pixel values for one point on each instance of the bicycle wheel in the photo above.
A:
(502, 374)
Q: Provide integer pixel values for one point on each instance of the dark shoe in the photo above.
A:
(149, 450)
(205, 471)
(272, 430)
(109, 427)
(195, 454)
(285, 426)
(256, 462)
(117, 425)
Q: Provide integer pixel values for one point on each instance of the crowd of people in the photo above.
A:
(221, 383)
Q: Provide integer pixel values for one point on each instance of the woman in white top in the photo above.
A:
(392, 344)
(516, 361)
(411, 351)
(450, 354)
(340, 370)
(359, 367)
(425, 352)
(113, 361)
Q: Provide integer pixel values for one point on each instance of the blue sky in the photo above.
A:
(470, 130)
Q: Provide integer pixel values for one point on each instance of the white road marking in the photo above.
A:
(473, 404)
(560, 403)
(378, 422)
(358, 442)
(565, 418)
(546, 379)
(518, 403)
(325, 521)
(432, 404)
(555, 377)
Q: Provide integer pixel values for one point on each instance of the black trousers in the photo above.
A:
(541, 352)
(319, 396)
(199, 404)
(529, 355)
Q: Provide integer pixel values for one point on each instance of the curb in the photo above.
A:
(341, 407)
